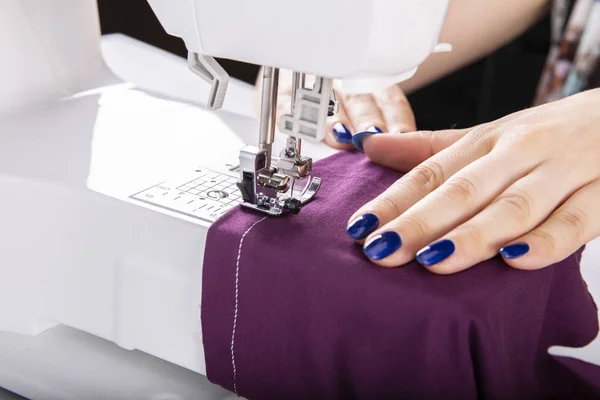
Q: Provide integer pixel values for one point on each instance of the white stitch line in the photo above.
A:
(235, 309)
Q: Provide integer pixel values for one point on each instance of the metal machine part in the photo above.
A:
(268, 109)
(268, 183)
(310, 111)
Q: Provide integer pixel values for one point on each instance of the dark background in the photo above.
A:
(498, 85)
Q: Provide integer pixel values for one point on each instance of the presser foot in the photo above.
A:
(268, 184)
(283, 204)
(269, 189)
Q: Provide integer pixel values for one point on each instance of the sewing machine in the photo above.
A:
(111, 177)
(365, 62)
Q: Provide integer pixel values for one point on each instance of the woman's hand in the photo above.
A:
(526, 186)
(359, 115)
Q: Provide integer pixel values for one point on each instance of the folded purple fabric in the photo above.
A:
(291, 309)
(584, 374)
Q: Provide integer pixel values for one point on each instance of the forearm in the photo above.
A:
(476, 28)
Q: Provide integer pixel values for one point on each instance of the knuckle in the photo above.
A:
(460, 190)
(473, 234)
(408, 188)
(387, 202)
(429, 175)
(549, 242)
(527, 137)
(481, 131)
(484, 135)
(416, 225)
(575, 219)
(518, 202)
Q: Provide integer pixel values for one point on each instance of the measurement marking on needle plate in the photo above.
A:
(211, 196)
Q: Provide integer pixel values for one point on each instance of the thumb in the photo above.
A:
(404, 151)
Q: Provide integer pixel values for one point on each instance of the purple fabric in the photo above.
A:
(296, 312)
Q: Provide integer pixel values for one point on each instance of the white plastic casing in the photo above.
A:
(48, 50)
(367, 43)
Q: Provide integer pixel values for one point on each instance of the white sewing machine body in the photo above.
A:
(368, 43)
(77, 250)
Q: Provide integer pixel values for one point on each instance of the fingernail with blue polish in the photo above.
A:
(342, 133)
(357, 140)
(361, 227)
(382, 245)
(514, 250)
(435, 253)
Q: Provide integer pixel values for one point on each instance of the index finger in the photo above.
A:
(404, 152)
(412, 187)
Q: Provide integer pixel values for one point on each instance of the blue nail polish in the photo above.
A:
(361, 227)
(436, 252)
(382, 245)
(357, 140)
(342, 133)
(514, 250)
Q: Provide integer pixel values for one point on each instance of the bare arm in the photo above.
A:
(476, 28)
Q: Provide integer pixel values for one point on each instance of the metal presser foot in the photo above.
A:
(284, 184)
(267, 190)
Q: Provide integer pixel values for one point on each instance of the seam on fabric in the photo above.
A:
(236, 302)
